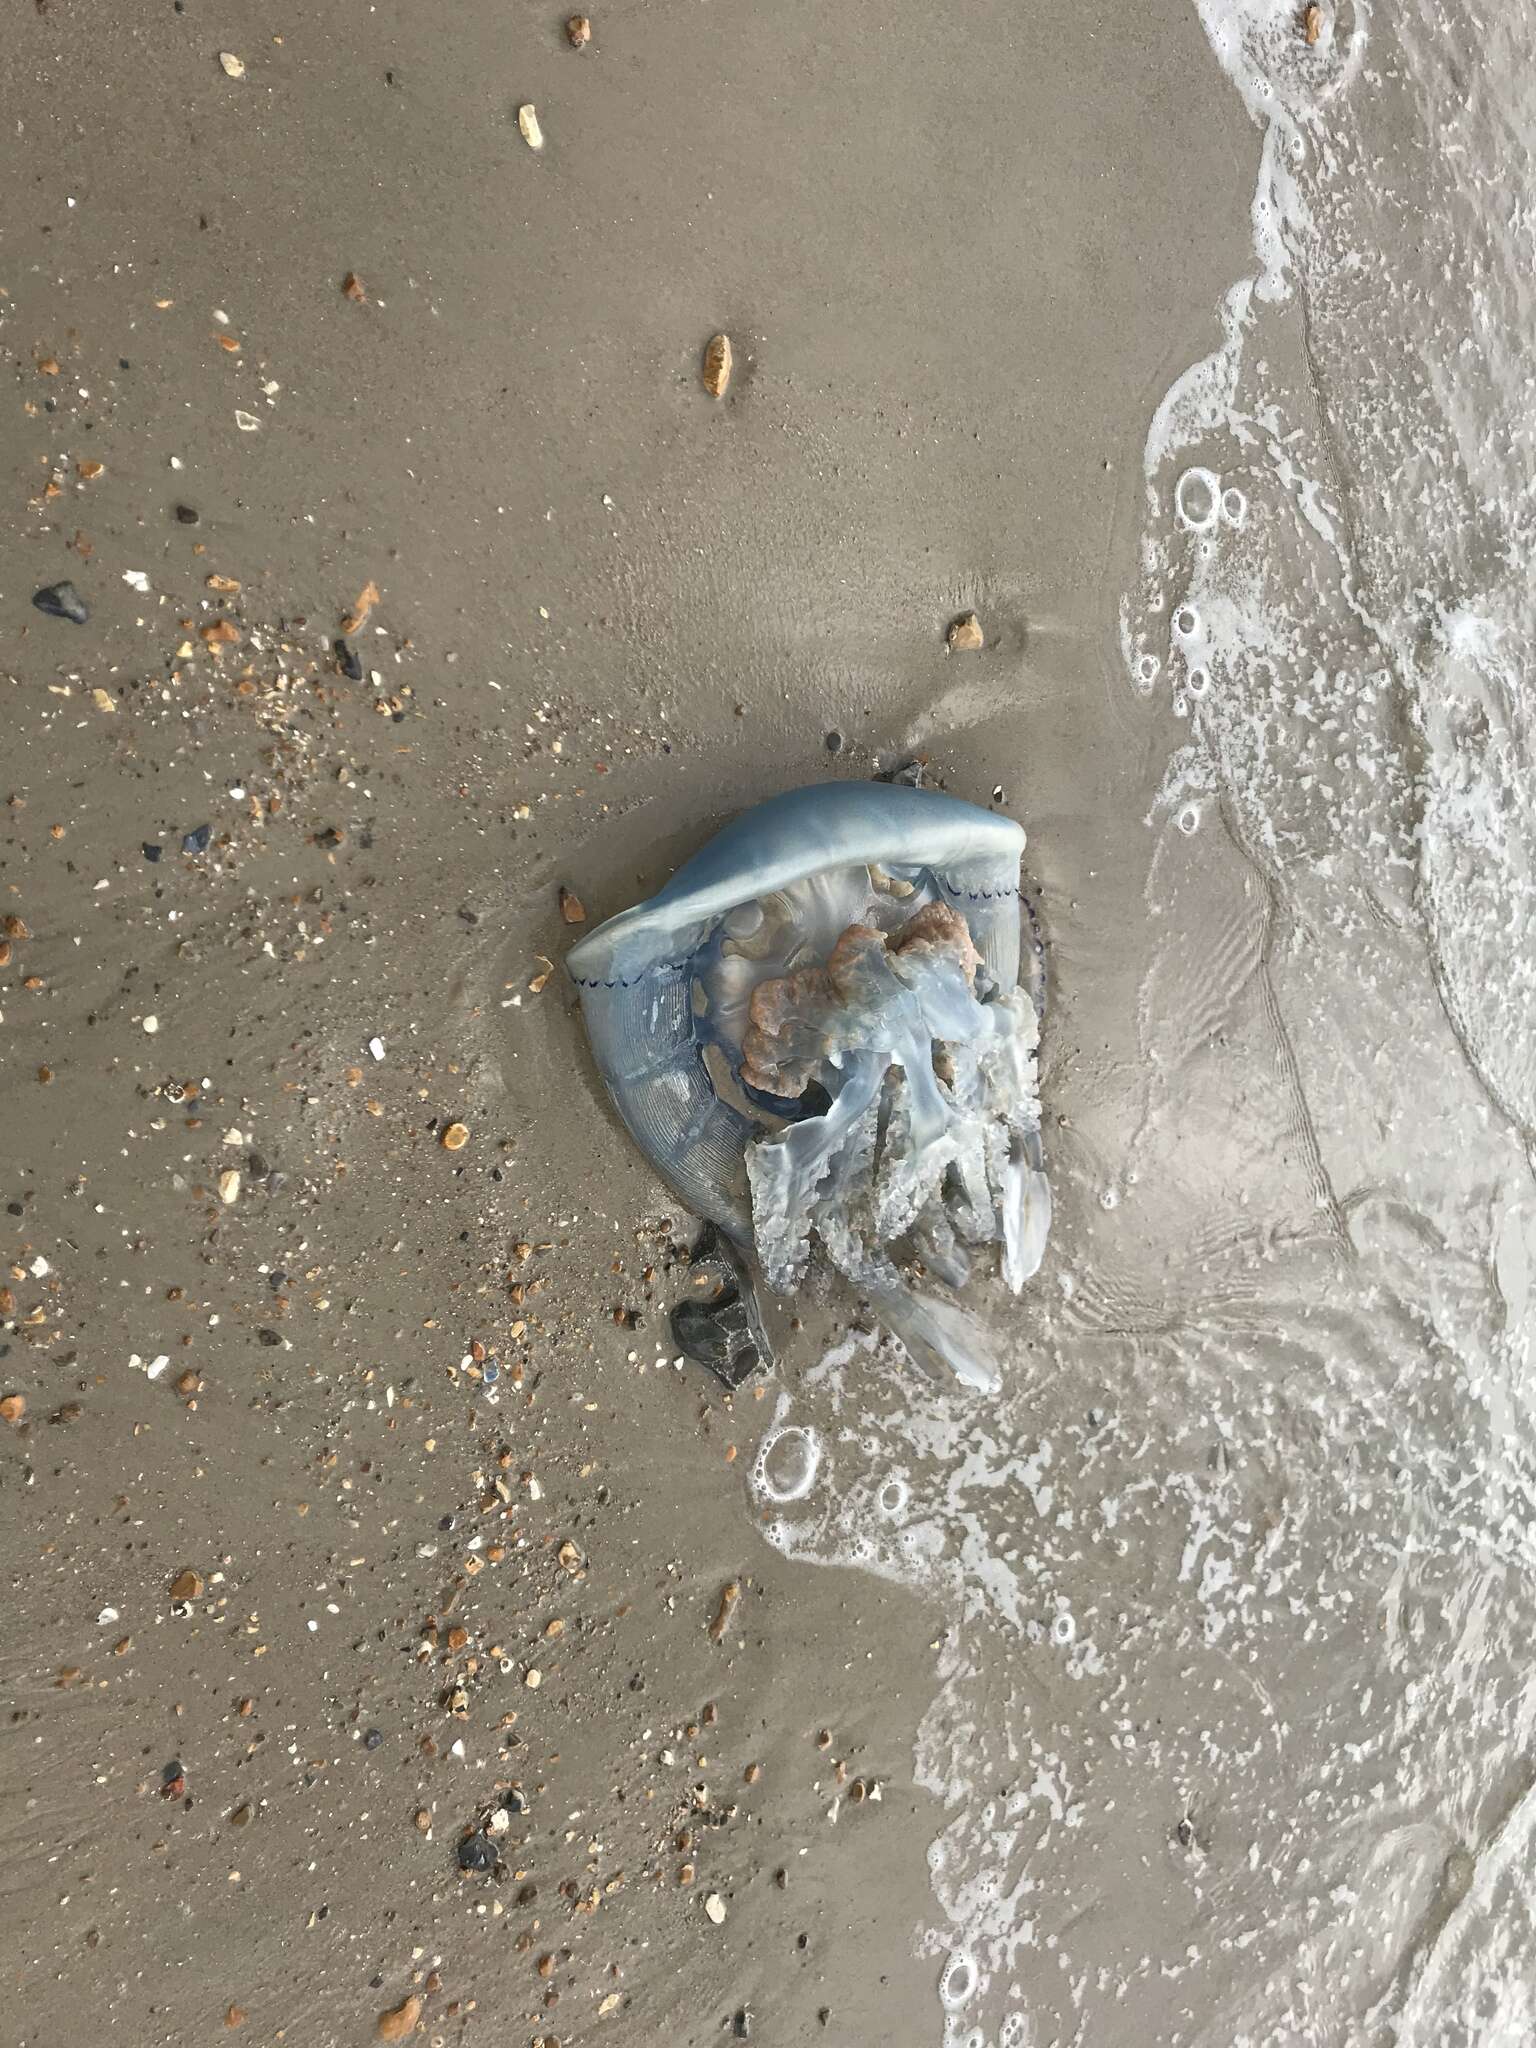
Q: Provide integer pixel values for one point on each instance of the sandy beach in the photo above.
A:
(354, 1504)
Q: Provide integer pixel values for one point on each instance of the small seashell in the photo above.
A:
(717, 365)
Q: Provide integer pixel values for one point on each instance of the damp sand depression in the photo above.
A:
(1178, 1692)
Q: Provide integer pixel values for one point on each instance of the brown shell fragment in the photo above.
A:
(965, 635)
(717, 365)
(729, 1595)
(397, 2023)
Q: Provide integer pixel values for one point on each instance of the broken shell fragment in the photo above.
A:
(965, 634)
(528, 123)
(61, 601)
(400, 2021)
(718, 362)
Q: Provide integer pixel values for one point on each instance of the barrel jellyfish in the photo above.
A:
(817, 1036)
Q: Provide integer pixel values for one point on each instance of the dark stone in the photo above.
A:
(476, 1853)
(61, 601)
(909, 775)
(741, 2025)
(717, 1323)
(373, 1738)
(256, 1166)
(348, 660)
(186, 516)
(268, 1337)
(151, 853)
(834, 742)
(196, 841)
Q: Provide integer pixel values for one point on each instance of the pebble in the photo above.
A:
(234, 67)
(13, 1408)
(528, 124)
(196, 841)
(455, 1138)
(572, 909)
(717, 365)
(186, 516)
(61, 601)
(578, 31)
(348, 660)
(965, 635)
(187, 1585)
(373, 1738)
(229, 1185)
(714, 1906)
(476, 1853)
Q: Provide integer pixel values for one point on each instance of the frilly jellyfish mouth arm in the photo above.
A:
(814, 1031)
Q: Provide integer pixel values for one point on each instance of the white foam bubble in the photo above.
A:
(1197, 500)
(958, 1983)
(787, 1463)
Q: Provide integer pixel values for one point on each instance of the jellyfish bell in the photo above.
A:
(815, 1031)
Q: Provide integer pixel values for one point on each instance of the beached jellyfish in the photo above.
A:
(816, 1034)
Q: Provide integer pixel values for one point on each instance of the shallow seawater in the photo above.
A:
(1232, 1715)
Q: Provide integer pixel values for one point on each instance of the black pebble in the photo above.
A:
(348, 660)
(151, 853)
(257, 1167)
(61, 601)
(476, 1853)
(834, 743)
(741, 2025)
(186, 515)
(269, 1337)
(373, 1738)
(196, 841)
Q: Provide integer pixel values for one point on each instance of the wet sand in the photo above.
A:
(958, 274)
